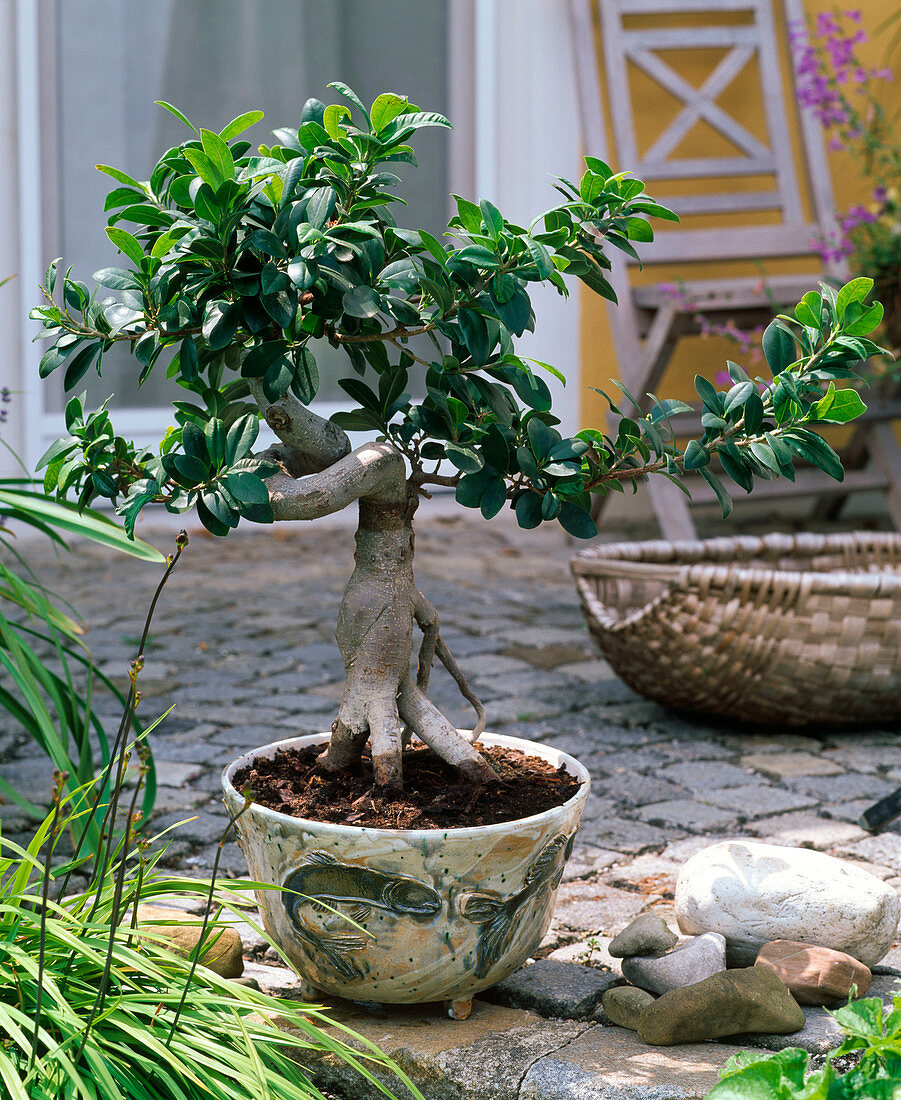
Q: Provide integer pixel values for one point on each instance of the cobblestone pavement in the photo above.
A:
(242, 645)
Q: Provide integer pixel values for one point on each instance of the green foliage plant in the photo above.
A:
(870, 1031)
(50, 698)
(239, 263)
(95, 1007)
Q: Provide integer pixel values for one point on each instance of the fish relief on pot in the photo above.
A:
(499, 917)
(321, 893)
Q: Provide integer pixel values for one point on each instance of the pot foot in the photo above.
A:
(304, 991)
(459, 1010)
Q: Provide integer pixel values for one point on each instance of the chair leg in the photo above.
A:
(887, 458)
(672, 509)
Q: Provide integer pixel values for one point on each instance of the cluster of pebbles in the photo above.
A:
(770, 929)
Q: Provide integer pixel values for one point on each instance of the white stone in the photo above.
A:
(752, 892)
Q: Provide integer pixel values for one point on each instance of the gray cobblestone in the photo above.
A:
(704, 775)
(687, 814)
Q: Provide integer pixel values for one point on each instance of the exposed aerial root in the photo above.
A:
(430, 725)
(432, 646)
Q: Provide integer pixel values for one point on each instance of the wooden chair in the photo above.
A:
(782, 183)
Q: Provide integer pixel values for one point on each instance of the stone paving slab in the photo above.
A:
(509, 1054)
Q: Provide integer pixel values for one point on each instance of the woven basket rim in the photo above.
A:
(725, 560)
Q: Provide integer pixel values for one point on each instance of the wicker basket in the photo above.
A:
(784, 629)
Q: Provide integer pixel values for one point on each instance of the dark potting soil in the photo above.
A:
(434, 796)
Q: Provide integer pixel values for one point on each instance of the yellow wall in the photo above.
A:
(742, 100)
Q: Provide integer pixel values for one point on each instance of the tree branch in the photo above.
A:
(375, 471)
(314, 443)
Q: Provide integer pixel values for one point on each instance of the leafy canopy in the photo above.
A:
(236, 262)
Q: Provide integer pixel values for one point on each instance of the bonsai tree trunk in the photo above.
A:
(381, 701)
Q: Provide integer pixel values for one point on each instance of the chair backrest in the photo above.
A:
(760, 180)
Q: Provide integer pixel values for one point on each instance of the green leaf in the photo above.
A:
(209, 520)
(494, 498)
(191, 469)
(738, 395)
(839, 406)
(385, 109)
(778, 347)
(870, 319)
(331, 120)
(528, 510)
(814, 449)
(362, 301)
(305, 383)
(240, 124)
(348, 93)
(220, 324)
(719, 489)
(193, 440)
(637, 229)
(753, 414)
(576, 521)
(696, 455)
(475, 334)
(465, 458)
(540, 438)
(471, 487)
(214, 436)
(240, 438)
(320, 206)
(854, 291)
(117, 174)
(809, 311)
(532, 390)
(418, 119)
(126, 243)
(277, 379)
(188, 362)
(80, 365)
(206, 168)
(246, 487)
(708, 394)
(553, 370)
(178, 114)
(260, 358)
(219, 153)
(478, 255)
(493, 218)
(66, 517)
(736, 466)
(765, 454)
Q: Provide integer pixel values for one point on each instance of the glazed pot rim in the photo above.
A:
(532, 748)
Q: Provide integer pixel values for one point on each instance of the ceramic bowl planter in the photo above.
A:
(439, 914)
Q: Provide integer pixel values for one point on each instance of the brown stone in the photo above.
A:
(224, 951)
(625, 1004)
(728, 1003)
(814, 975)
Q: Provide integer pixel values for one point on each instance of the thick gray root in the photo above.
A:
(432, 727)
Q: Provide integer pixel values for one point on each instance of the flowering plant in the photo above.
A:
(844, 95)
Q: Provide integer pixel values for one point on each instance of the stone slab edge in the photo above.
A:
(511, 1054)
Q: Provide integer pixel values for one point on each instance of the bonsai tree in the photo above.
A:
(239, 260)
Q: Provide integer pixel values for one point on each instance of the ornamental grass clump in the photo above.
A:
(242, 264)
(93, 1006)
(48, 679)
